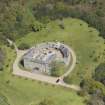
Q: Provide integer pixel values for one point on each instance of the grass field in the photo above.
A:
(85, 41)
(22, 91)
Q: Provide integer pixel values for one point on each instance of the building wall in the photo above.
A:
(32, 65)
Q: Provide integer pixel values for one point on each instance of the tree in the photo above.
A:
(95, 101)
(95, 89)
(91, 87)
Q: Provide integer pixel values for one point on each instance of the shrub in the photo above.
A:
(46, 102)
(67, 79)
(58, 68)
(23, 46)
(82, 93)
(8, 81)
(1, 67)
(12, 46)
(100, 73)
(36, 26)
(2, 57)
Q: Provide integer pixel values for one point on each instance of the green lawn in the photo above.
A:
(85, 41)
(21, 91)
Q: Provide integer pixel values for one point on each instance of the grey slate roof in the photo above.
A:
(64, 51)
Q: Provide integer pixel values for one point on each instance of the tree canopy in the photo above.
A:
(100, 73)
